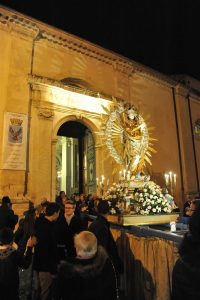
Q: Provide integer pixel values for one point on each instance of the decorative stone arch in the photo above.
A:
(78, 118)
(91, 126)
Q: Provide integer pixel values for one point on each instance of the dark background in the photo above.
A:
(162, 34)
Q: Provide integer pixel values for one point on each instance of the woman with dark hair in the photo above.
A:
(26, 229)
(186, 272)
(61, 200)
(27, 278)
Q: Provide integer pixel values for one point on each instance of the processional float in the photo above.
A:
(134, 199)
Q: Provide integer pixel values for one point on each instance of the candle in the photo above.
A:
(174, 179)
(170, 177)
(167, 179)
(124, 172)
(97, 180)
(102, 178)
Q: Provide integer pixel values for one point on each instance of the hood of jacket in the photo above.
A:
(85, 268)
(5, 252)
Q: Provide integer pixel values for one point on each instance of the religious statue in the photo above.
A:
(132, 134)
(127, 137)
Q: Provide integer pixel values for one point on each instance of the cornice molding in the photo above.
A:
(186, 91)
(68, 41)
(40, 83)
(127, 68)
(14, 23)
(181, 90)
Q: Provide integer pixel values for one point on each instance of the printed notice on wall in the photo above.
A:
(14, 141)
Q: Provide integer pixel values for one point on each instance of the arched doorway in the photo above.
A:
(75, 159)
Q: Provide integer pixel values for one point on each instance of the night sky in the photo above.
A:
(161, 34)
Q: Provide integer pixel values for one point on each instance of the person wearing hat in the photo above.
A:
(7, 216)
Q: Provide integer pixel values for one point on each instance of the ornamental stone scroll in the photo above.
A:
(46, 114)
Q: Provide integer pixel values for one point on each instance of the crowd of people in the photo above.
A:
(65, 250)
(58, 251)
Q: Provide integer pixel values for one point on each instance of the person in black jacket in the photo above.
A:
(7, 216)
(44, 261)
(89, 276)
(10, 260)
(101, 228)
(26, 229)
(84, 216)
(61, 199)
(186, 272)
(67, 225)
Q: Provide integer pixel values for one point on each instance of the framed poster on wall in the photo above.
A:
(14, 141)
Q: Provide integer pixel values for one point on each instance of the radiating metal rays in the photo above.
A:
(128, 139)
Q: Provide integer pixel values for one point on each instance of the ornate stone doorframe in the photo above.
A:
(98, 145)
(52, 101)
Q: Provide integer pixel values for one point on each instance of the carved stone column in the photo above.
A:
(53, 169)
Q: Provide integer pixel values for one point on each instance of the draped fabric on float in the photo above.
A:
(148, 265)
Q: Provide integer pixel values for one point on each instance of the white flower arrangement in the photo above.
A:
(114, 195)
(151, 200)
(146, 200)
(117, 191)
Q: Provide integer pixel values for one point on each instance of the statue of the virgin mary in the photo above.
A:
(127, 137)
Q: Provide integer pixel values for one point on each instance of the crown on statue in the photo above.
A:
(15, 121)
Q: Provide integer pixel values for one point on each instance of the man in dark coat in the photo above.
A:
(7, 216)
(44, 261)
(101, 228)
(67, 225)
(89, 276)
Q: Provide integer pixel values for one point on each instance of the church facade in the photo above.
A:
(56, 90)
